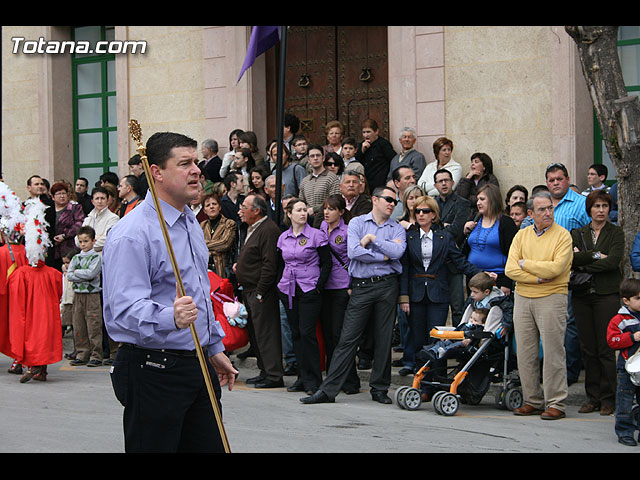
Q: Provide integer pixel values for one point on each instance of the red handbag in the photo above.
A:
(235, 337)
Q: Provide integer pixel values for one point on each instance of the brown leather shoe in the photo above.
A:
(552, 414)
(607, 410)
(41, 374)
(527, 410)
(588, 408)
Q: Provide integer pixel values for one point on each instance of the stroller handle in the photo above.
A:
(448, 334)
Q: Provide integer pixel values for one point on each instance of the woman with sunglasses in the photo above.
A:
(334, 163)
(424, 286)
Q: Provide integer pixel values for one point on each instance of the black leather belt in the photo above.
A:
(361, 282)
(181, 353)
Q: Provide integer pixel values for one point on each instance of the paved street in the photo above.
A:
(76, 411)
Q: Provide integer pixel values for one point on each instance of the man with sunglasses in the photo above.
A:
(375, 246)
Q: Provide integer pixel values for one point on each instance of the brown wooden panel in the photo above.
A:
(336, 73)
(363, 77)
(310, 80)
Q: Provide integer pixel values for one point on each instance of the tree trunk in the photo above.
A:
(618, 114)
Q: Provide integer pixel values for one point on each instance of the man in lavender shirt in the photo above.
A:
(375, 246)
(156, 374)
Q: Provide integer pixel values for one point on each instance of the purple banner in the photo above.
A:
(262, 39)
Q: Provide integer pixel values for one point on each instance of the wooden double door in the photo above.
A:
(334, 73)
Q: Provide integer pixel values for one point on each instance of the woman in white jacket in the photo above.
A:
(442, 150)
(101, 219)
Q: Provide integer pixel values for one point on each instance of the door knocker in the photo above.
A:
(305, 80)
(365, 74)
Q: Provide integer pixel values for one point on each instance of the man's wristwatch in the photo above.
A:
(596, 255)
(259, 297)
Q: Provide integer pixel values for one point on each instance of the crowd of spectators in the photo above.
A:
(373, 248)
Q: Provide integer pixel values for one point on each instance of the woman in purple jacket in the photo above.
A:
(69, 218)
(306, 262)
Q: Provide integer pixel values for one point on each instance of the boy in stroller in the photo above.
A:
(443, 349)
(483, 356)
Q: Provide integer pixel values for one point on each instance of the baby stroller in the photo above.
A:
(469, 380)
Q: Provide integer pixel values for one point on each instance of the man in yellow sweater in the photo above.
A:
(539, 262)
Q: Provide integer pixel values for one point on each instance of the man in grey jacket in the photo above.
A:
(409, 156)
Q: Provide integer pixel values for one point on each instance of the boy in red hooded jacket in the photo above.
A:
(623, 334)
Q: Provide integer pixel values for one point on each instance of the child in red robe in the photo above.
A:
(35, 327)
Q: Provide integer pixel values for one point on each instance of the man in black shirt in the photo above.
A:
(375, 153)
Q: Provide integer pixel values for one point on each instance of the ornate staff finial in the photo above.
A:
(135, 131)
(136, 134)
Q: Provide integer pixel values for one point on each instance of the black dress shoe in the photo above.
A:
(351, 390)
(403, 372)
(364, 364)
(298, 386)
(318, 397)
(381, 397)
(270, 384)
(246, 354)
(252, 380)
(290, 370)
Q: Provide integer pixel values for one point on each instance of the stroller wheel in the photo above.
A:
(449, 404)
(412, 399)
(399, 396)
(513, 398)
(435, 401)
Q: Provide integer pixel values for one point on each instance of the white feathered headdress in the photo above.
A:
(11, 213)
(36, 239)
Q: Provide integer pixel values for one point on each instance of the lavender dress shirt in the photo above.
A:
(301, 260)
(139, 286)
(369, 261)
(339, 277)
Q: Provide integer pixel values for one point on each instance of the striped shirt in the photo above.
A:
(314, 189)
(571, 212)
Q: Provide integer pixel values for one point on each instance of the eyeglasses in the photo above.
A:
(424, 211)
(388, 199)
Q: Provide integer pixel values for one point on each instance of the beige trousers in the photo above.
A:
(541, 319)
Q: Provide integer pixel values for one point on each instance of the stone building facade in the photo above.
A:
(516, 93)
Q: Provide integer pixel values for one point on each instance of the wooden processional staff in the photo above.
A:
(136, 135)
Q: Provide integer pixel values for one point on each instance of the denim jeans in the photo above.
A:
(287, 343)
(423, 316)
(626, 425)
(572, 345)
